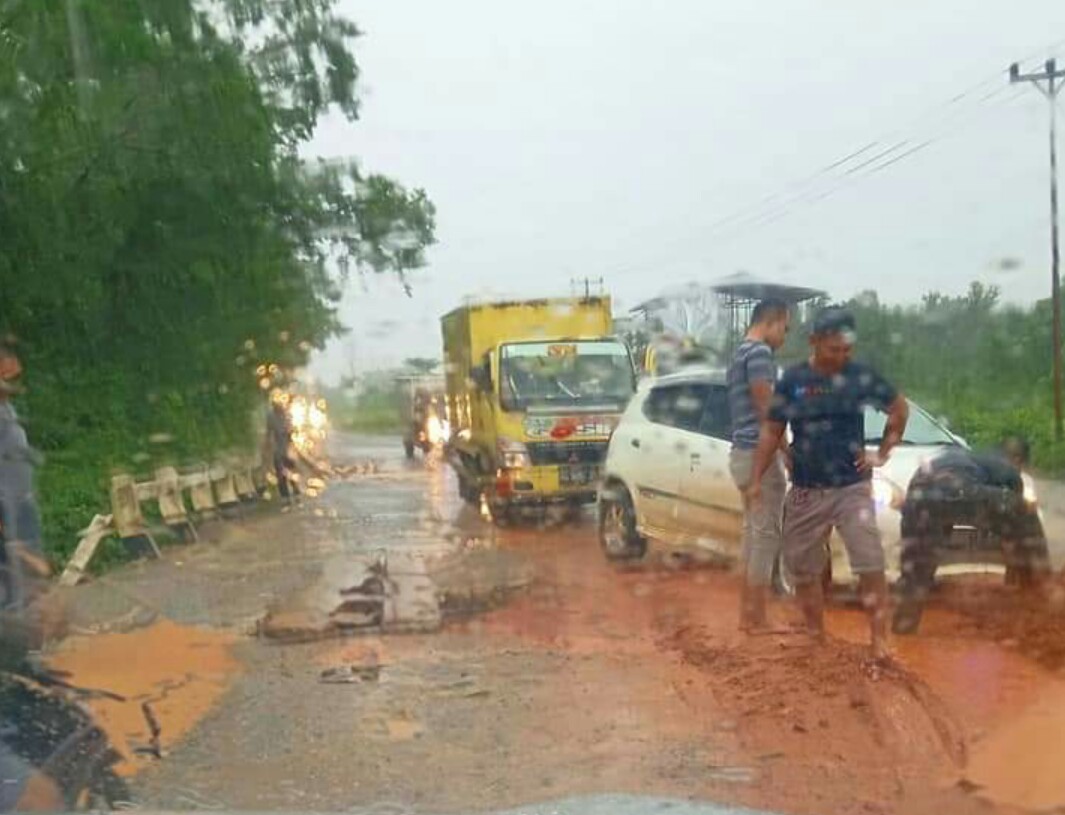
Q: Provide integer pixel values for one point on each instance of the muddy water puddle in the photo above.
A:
(1011, 708)
(181, 672)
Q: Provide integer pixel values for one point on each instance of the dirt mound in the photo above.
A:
(822, 715)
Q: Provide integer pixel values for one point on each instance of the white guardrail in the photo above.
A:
(211, 489)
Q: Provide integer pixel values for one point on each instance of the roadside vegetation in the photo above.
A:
(164, 242)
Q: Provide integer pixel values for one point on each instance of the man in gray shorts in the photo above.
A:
(751, 377)
(823, 401)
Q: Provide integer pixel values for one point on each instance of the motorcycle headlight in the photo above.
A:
(887, 494)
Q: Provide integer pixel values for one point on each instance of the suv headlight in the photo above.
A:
(1030, 497)
(887, 493)
(513, 455)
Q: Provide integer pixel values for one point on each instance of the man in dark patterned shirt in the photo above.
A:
(823, 400)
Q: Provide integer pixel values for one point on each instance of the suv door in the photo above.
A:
(711, 509)
(661, 445)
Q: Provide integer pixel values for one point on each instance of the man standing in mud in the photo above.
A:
(823, 401)
(751, 377)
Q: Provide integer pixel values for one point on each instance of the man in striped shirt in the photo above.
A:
(752, 376)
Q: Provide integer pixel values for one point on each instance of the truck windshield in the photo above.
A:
(564, 374)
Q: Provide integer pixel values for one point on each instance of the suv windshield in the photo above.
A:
(565, 374)
(921, 429)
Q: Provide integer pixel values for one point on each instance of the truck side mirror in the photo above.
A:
(482, 377)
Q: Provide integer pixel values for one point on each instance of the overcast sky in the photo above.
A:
(656, 142)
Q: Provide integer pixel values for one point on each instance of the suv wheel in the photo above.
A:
(617, 525)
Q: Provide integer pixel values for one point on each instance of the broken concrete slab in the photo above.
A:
(395, 591)
(412, 601)
(359, 594)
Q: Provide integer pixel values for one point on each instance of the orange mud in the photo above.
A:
(820, 730)
(180, 671)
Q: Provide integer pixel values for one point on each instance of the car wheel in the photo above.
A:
(617, 526)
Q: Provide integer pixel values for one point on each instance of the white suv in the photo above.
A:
(666, 475)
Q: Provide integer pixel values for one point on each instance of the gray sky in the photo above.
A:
(621, 138)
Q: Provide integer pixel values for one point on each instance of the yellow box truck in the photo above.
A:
(534, 388)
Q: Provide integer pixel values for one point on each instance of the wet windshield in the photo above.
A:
(565, 374)
(921, 429)
(390, 394)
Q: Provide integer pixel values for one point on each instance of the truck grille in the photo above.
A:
(581, 452)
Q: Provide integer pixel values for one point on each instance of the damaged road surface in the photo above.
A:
(383, 647)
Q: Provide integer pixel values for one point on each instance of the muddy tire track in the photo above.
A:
(1032, 621)
(825, 718)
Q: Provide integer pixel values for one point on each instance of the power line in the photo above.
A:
(758, 217)
(776, 205)
(848, 179)
(779, 205)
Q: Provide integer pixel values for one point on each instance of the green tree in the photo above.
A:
(421, 365)
(165, 247)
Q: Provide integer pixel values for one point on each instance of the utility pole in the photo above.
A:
(1053, 79)
(587, 283)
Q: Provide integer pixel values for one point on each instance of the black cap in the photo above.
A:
(833, 320)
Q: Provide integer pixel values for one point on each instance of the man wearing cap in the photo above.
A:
(823, 401)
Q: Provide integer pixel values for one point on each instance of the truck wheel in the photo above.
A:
(503, 515)
(468, 493)
(617, 526)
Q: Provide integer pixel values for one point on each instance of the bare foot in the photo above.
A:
(808, 638)
(880, 653)
(875, 668)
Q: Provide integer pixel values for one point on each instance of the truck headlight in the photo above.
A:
(513, 455)
(887, 494)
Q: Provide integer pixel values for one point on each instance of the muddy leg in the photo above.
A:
(918, 564)
(811, 596)
(753, 601)
(762, 536)
(873, 590)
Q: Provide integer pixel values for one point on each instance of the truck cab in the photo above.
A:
(535, 388)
